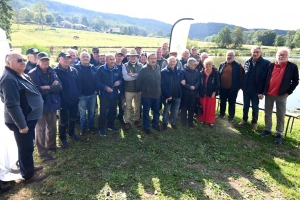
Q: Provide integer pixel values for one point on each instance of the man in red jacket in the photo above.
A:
(281, 79)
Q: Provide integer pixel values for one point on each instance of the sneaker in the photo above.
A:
(230, 121)
(156, 128)
(242, 123)
(278, 139)
(93, 130)
(265, 133)
(164, 126)
(74, 137)
(113, 128)
(220, 117)
(102, 133)
(174, 126)
(254, 127)
(147, 131)
(83, 132)
(46, 157)
(127, 126)
(64, 143)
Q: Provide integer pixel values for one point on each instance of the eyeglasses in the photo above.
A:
(282, 55)
(95, 51)
(19, 60)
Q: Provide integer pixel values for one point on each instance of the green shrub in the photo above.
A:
(25, 47)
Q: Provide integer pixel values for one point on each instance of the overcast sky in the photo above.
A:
(269, 14)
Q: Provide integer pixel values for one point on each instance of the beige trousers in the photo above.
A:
(136, 96)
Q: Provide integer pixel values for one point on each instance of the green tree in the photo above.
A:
(266, 37)
(296, 39)
(279, 41)
(84, 21)
(289, 39)
(160, 33)
(223, 38)
(26, 14)
(59, 18)
(41, 9)
(49, 18)
(75, 19)
(237, 36)
(17, 17)
(6, 15)
(125, 31)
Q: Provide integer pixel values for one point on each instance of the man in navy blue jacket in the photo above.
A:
(70, 95)
(108, 79)
(171, 92)
(254, 68)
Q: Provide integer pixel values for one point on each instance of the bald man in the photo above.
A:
(23, 106)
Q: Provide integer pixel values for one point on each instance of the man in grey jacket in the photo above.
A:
(23, 106)
(148, 82)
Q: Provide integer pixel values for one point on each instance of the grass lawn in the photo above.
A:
(226, 162)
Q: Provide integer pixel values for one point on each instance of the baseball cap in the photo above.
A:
(32, 51)
(63, 54)
(95, 49)
(42, 55)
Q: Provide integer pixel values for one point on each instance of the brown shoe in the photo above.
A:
(254, 127)
(38, 168)
(36, 177)
(242, 123)
(127, 126)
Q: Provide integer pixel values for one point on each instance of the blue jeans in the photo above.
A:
(154, 105)
(25, 148)
(87, 103)
(174, 107)
(255, 102)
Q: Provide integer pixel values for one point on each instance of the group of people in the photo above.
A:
(33, 93)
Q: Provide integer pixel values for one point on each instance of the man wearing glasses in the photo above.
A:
(23, 106)
(32, 59)
(280, 80)
(95, 53)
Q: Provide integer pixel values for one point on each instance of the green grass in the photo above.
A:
(227, 162)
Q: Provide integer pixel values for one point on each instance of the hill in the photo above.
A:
(128, 25)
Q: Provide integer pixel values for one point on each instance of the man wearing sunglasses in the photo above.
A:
(95, 52)
(23, 106)
(32, 59)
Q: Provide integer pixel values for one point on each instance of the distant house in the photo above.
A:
(79, 26)
(66, 24)
(114, 30)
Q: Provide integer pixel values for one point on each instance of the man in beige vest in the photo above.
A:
(130, 73)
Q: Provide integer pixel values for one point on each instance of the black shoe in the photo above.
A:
(147, 131)
(164, 126)
(121, 121)
(174, 126)
(265, 133)
(220, 117)
(278, 139)
(74, 137)
(64, 143)
(83, 132)
(93, 130)
(46, 157)
(230, 121)
(137, 124)
(156, 128)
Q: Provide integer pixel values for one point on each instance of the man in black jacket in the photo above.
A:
(279, 81)
(254, 68)
(32, 59)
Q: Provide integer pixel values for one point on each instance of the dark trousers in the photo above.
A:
(227, 94)
(25, 148)
(108, 106)
(253, 97)
(67, 119)
(154, 105)
(188, 104)
(121, 103)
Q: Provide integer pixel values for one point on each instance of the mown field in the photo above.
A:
(226, 162)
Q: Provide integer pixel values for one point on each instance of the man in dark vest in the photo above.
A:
(130, 73)
(231, 77)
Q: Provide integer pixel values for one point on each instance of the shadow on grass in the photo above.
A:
(190, 163)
